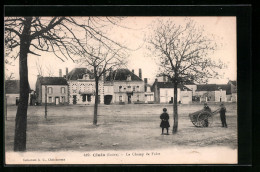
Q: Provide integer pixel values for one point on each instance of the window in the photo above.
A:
(84, 98)
(128, 78)
(62, 99)
(128, 86)
(137, 88)
(120, 98)
(120, 87)
(49, 90)
(133, 88)
(138, 98)
(62, 89)
(50, 99)
(89, 98)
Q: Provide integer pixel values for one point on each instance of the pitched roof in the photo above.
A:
(214, 87)
(169, 85)
(12, 86)
(52, 81)
(78, 73)
(121, 75)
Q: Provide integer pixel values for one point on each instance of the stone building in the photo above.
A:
(212, 92)
(82, 87)
(56, 89)
(164, 92)
(123, 86)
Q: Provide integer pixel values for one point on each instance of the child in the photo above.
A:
(164, 123)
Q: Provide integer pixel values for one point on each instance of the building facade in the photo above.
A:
(53, 90)
(164, 93)
(12, 92)
(211, 93)
(127, 88)
(82, 87)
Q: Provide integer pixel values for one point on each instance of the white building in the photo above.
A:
(124, 87)
(164, 93)
(82, 87)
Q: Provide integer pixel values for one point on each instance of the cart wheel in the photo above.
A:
(204, 119)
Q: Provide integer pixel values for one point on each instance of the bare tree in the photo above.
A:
(59, 35)
(49, 71)
(184, 53)
(101, 59)
(39, 67)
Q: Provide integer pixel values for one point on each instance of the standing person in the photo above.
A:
(223, 115)
(206, 108)
(164, 123)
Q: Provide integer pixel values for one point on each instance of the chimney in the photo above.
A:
(133, 71)
(140, 73)
(145, 84)
(60, 73)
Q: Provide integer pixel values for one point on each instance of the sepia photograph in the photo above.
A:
(120, 90)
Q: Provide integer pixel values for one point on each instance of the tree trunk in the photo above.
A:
(96, 102)
(175, 110)
(21, 115)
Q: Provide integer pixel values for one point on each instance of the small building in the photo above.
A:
(82, 87)
(211, 93)
(56, 87)
(127, 87)
(12, 92)
(164, 93)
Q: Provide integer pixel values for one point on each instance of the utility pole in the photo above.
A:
(46, 102)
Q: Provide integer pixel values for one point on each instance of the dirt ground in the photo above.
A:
(120, 127)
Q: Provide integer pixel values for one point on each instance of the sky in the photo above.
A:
(131, 32)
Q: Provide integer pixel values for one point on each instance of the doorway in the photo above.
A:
(74, 99)
(129, 99)
(57, 100)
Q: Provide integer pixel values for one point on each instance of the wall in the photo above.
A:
(56, 92)
(220, 94)
(186, 97)
(11, 98)
(234, 97)
(167, 93)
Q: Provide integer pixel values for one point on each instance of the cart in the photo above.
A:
(202, 118)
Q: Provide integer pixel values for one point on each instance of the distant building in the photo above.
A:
(12, 92)
(82, 87)
(57, 90)
(212, 92)
(164, 93)
(123, 86)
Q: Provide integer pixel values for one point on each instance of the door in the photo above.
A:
(129, 99)
(57, 100)
(74, 99)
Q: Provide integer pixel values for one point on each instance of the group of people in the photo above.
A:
(165, 117)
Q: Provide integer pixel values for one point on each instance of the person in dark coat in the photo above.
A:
(223, 115)
(164, 120)
(206, 108)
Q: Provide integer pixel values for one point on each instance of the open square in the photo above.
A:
(120, 127)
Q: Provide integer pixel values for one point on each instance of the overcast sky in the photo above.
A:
(132, 34)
